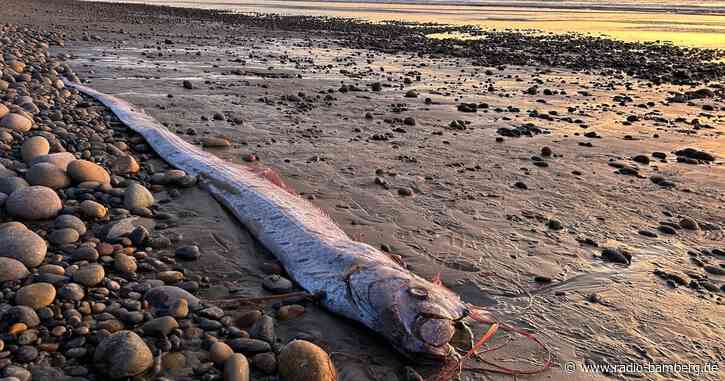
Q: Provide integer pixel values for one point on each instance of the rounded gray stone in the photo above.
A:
(18, 242)
(70, 221)
(10, 184)
(48, 175)
(137, 196)
(63, 236)
(89, 275)
(34, 147)
(11, 269)
(123, 354)
(34, 203)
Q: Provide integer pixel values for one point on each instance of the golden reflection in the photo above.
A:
(697, 29)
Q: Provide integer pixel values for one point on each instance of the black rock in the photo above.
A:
(616, 256)
(188, 253)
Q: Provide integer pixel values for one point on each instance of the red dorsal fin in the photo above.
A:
(274, 178)
(437, 280)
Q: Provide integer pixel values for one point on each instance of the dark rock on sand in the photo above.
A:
(277, 284)
(695, 154)
(616, 256)
(188, 253)
(123, 354)
(245, 345)
(163, 299)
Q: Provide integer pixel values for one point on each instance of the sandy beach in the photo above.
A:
(570, 186)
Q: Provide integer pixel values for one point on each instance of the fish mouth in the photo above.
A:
(430, 337)
(434, 355)
(434, 332)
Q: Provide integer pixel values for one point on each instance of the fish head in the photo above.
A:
(417, 316)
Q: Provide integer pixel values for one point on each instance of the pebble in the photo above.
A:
(71, 291)
(26, 354)
(266, 362)
(161, 326)
(301, 360)
(179, 309)
(48, 175)
(219, 352)
(290, 312)
(171, 277)
(124, 165)
(89, 275)
(689, 224)
(10, 184)
(63, 236)
(17, 372)
(137, 196)
(236, 368)
(70, 221)
(248, 318)
(21, 314)
(123, 354)
(246, 345)
(616, 256)
(92, 209)
(263, 329)
(36, 295)
(188, 253)
(215, 142)
(60, 159)
(12, 269)
(162, 299)
(84, 253)
(667, 229)
(16, 122)
(34, 147)
(125, 264)
(554, 224)
(277, 284)
(83, 170)
(20, 243)
(34, 203)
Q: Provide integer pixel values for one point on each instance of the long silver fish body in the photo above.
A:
(353, 279)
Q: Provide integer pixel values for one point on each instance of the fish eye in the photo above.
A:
(418, 292)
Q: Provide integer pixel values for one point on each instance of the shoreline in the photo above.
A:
(562, 200)
(531, 5)
(660, 63)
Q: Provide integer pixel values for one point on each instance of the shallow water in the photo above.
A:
(689, 23)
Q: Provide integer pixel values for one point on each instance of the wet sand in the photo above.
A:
(448, 197)
(695, 24)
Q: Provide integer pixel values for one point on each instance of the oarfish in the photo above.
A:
(353, 279)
